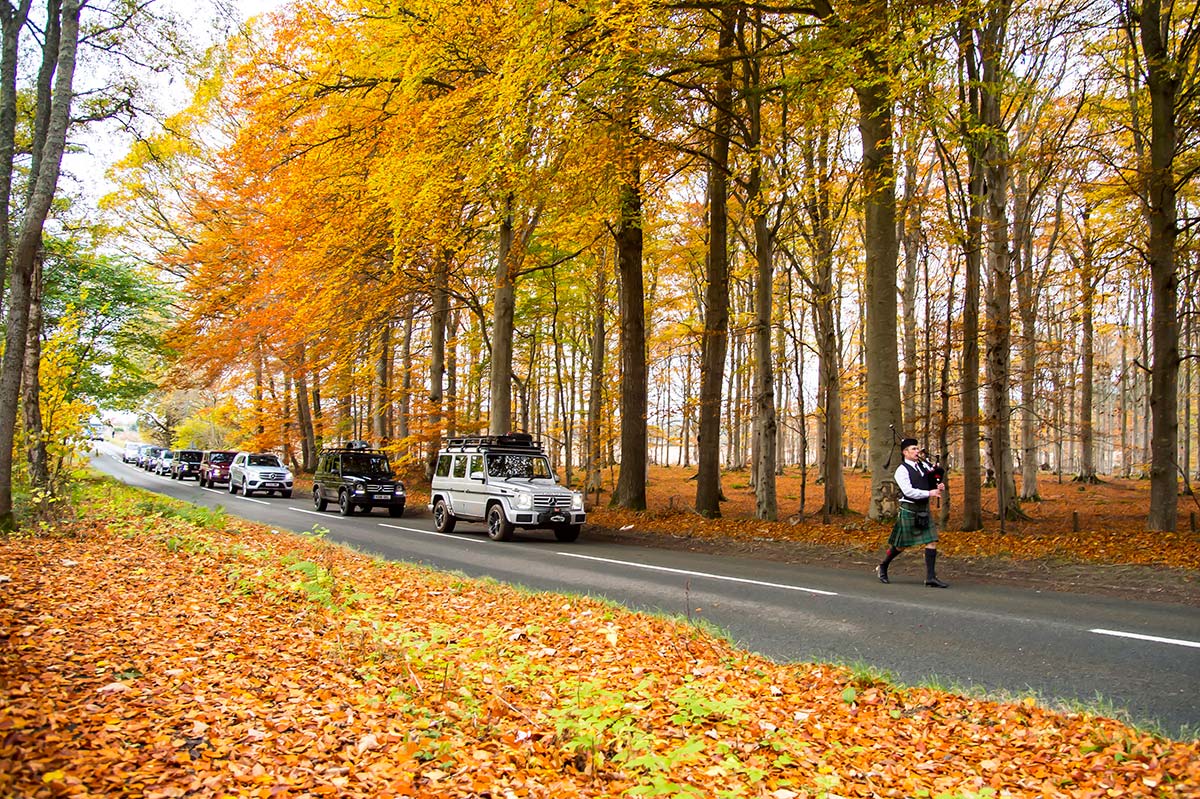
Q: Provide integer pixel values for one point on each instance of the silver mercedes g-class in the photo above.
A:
(505, 481)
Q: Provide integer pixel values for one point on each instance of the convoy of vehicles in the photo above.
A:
(506, 481)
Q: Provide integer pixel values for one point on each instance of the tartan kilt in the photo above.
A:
(905, 535)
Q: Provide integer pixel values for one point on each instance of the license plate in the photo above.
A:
(383, 496)
(558, 517)
(270, 485)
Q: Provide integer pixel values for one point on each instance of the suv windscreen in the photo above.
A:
(220, 457)
(366, 463)
(190, 455)
(262, 460)
(505, 466)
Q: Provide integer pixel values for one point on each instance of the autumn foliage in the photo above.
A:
(154, 650)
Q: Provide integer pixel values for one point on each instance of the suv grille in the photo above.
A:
(545, 502)
(380, 488)
(272, 475)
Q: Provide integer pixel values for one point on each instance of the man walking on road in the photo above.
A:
(914, 524)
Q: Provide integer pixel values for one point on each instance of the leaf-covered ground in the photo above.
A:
(1111, 517)
(147, 649)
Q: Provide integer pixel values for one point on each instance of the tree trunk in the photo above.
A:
(503, 309)
(404, 406)
(630, 491)
(35, 433)
(25, 255)
(382, 388)
(1163, 85)
(879, 206)
(1087, 302)
(308, 438)
(12, 21)
(765, 422)
(999, 305)
(437, 360)
(596, 389)
(972, 251)
(716, 294)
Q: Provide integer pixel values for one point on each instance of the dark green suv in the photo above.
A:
(357, 477)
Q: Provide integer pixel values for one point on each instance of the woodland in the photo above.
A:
(712, 235)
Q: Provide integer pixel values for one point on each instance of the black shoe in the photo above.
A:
(936, 583)
(881, 573)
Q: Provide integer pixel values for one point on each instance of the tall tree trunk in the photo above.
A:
(973, 253)
(765, 422)
(29, 240)
(596, 388)
(1162, 81)
(404, 405)
(308, 438)
(716, 293)
(1087, 304)
(999, 304)
(630, 491)
(503, 308)
(381, 401)
(910, 239)
(35, 433)
(12, 21)
(437, 360)
(879, 205)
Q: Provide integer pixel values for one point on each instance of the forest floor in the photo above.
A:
(150, 648)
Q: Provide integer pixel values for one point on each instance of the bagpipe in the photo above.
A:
(934, 467)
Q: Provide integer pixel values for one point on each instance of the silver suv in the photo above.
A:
(259, 471)
(505, 481)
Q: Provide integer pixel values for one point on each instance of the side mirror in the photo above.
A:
(477, 476)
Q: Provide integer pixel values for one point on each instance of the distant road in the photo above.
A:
(1143, 657)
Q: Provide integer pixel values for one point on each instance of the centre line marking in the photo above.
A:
(259, 501)
(422, 532)
(700, 574)
(1140, 637)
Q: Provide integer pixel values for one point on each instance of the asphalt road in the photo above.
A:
(1142, 658)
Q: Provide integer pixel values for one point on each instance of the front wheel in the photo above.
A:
(232, 486)
(345, 506)
(443, 519)
(499, 527)
(567, 532)
(286, 494)
(395, 511)
(319, 501)
(200, 479)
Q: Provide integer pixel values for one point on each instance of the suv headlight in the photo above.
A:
(576, 500)
(524, 500)
(399, 489)
(359, 489)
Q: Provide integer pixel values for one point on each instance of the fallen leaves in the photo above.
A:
(216, 673)
(1113, 522)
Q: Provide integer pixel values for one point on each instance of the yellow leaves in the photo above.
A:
(443, 693)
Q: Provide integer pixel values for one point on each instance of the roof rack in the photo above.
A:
(522, 442)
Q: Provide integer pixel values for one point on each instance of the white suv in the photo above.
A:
(505, 481)
(259, 471)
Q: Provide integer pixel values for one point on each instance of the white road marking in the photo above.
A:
(1140, 637)
(306, 510)
(248, 499)
(721, 577)
(423, 532)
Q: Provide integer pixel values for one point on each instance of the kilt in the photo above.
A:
(905, 535)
